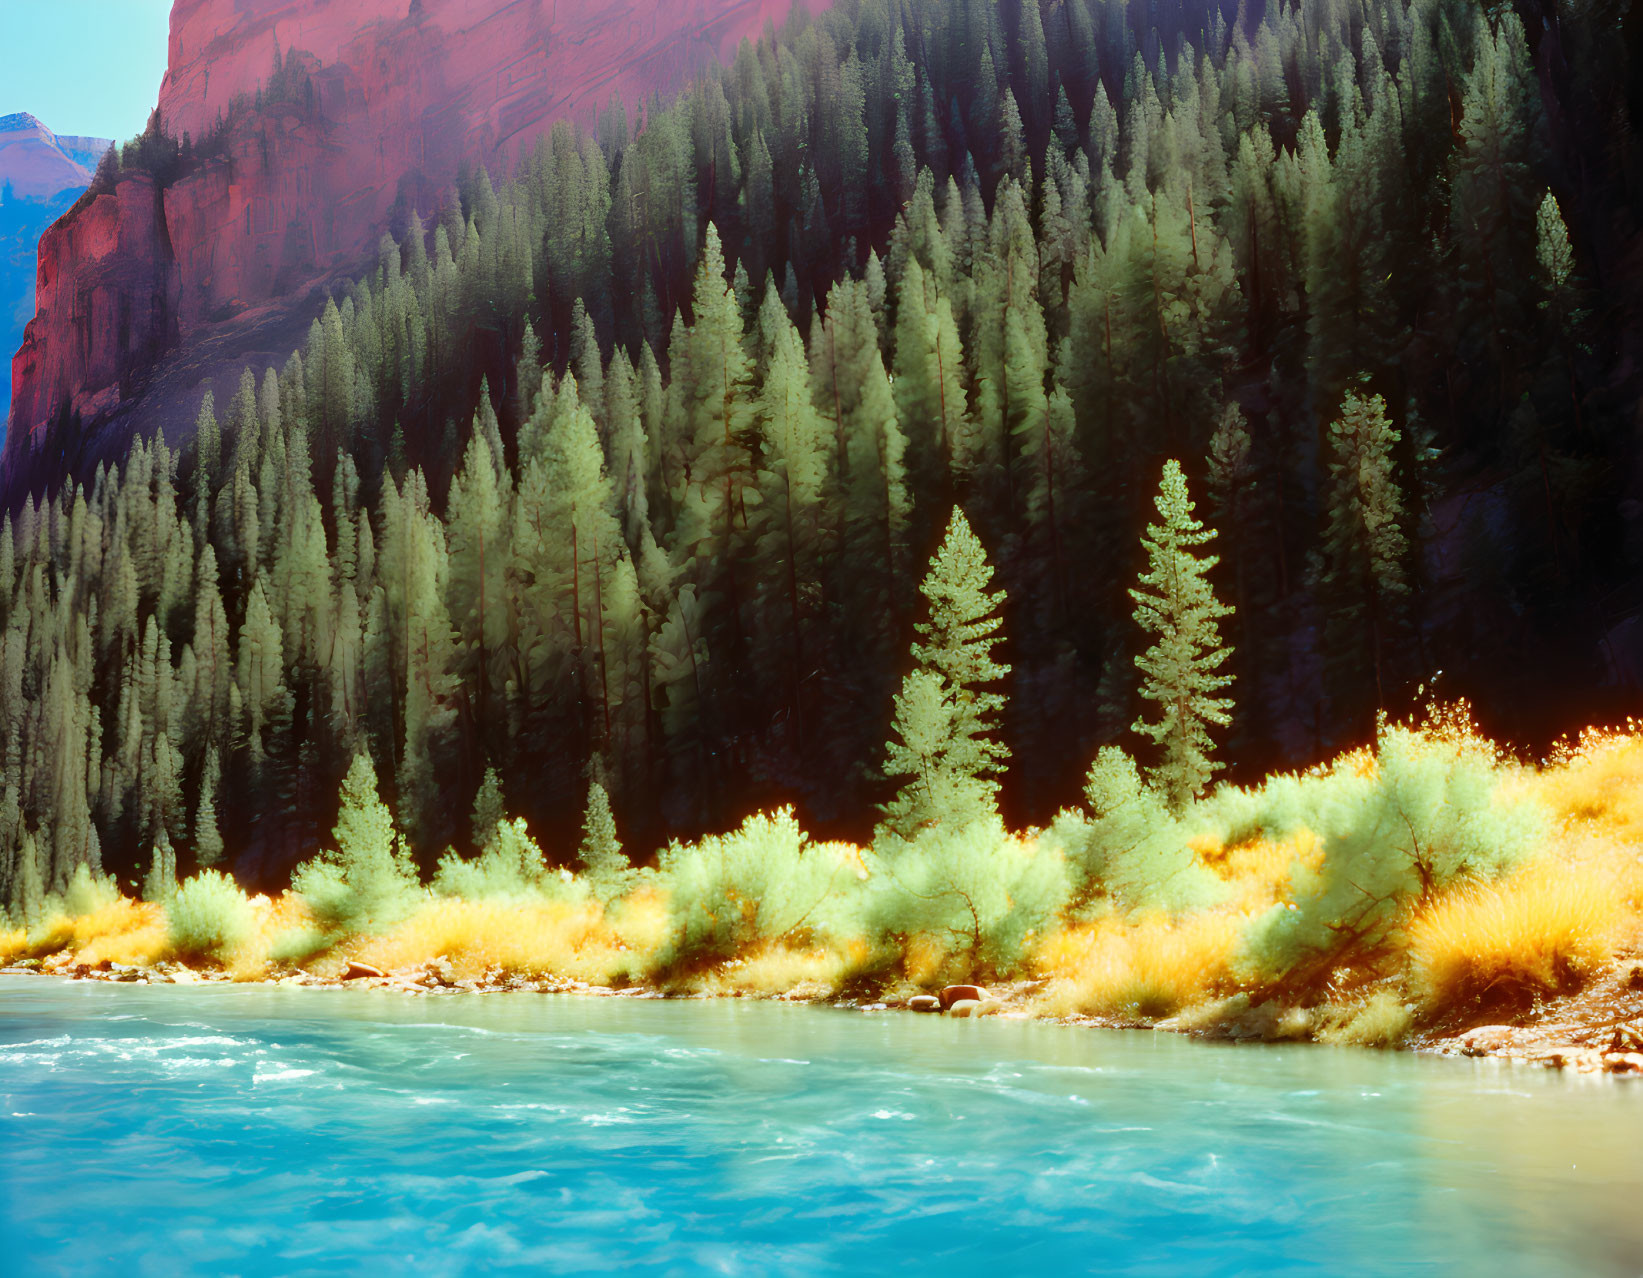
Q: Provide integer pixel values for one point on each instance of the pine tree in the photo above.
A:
(489, 810)
(794, 474)
(1560, 294)
(1493, 209)
(1364, 543)
(208, 842)
(929, 384)
(851, 385)
(607, 866)
(566, 543)
(1010, 347)
(259, 677)
(478, 520)
(366, 878)
(1176, 604)
(715, 382)
(28, 895)
(943, 749)
(1052, 481)
(1556, 259)
(160, 884)
(413, 573)
(207, 445)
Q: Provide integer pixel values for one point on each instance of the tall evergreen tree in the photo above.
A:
(1365, 546)
(1176, 605)
(943, 749)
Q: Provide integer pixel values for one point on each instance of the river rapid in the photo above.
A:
(259, 1130)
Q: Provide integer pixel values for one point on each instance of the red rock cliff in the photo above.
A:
(404, 92)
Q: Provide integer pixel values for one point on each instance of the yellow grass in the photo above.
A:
(641, 923)
(1596, 786)
(275, 918)
(1381, 1020)
(1544, 930)
(924, 959)
(122, 931)
(804, 971)
(537, 939)
(1152, 965)
(14, 944)
(1594, 791)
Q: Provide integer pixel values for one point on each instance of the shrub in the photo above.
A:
(121, 932)
(209, 917)
(89, 909)
(1542, 931)
(642, 922)
(1128, 845)
(511, 868)
(104, 925)
(296, 945)
(1382, 1020)
(1597, 784)
(979, 894)
(762, 883)
(87, 893)
(1426, 811)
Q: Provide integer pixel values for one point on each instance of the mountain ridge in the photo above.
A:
(39, 164)
(272, 193)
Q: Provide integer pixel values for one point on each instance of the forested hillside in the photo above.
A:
(628, 465)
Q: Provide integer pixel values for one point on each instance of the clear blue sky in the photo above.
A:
(87, 67)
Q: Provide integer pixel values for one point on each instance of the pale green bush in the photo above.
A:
(209, 917)
(297, 945)
(981, 893)
(1429, 813)
(512, 867)
(87, 893)
(765, 882)
(1128, 845)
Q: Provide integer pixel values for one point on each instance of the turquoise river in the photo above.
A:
(260, 1130)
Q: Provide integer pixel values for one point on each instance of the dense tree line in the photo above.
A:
(624, 470)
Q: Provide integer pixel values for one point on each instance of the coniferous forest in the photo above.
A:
(1238, 373)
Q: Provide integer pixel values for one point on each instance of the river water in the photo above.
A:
(258, 1130)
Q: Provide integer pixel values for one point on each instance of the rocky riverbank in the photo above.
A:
(1598, 1031)
(440, 977)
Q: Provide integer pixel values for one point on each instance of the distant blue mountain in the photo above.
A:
(41, 175)
(21, 224)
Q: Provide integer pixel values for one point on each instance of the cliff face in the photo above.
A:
(41, 174)
(399, 94)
